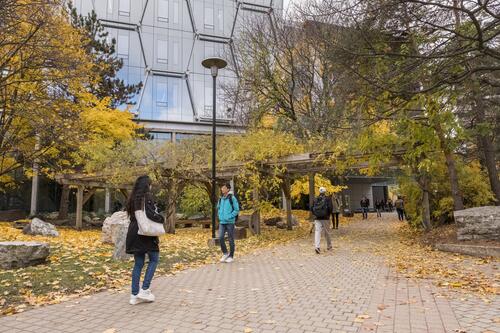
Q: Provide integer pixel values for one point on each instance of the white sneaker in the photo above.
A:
(133, 300)
(146, 295)
(229, 259)
(224, 257)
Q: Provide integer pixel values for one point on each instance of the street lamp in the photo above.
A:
(214, 64)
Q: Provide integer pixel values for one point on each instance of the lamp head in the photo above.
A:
(214, 64)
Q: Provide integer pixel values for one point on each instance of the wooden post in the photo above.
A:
(288, 206)
(63, 206)
(79, 208)
(107, 201)
(311, 194)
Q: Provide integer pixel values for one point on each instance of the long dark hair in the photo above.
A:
(139, 194)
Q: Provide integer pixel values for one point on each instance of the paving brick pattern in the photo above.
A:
(286, 289)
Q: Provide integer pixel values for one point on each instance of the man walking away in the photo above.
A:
(400, 208)
(365, 203)
(322, 209)
(378, 206)
(228, 210)
(335, 211)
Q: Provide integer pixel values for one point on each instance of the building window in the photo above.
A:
(175, 51)
(163, 10)
(220, 19)
(176, 11)
(162, 51)
(160, 136)
(110, 7)
(209, 18)
(209, 50)
(183, 136)
(124, 8)
(161, 94)
(175, 96)
(122, 46)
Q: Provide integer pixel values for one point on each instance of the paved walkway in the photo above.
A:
(287, 289)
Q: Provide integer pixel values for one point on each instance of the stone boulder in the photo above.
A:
(119, 236)
(39, 227)
(271, 222)
(281, 224)
(478, 223)
(22, 254)
(243, 221)
(117, 218)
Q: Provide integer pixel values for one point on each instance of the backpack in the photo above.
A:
(230, 197)
(320, 207)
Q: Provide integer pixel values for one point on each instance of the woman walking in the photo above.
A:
(139, 245)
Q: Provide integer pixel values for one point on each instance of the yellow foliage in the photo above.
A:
(301, 186)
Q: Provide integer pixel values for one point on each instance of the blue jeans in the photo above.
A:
(365, 212)
(150, 271)
(229, 228)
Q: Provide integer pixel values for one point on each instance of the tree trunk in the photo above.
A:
(170, 209)
(426, 209)
(64, 204)
(490, 165)
(458, 201)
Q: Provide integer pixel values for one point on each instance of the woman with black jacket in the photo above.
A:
(139, 245)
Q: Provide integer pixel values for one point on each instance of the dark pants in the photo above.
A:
(335, 220)
(365, 212)
(229, 228)
(150, 271)
(401, 214)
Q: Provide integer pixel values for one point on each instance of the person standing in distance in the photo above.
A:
(139, 245)
(322, 209)
(365, 204)
(336, 204)
(228, 210)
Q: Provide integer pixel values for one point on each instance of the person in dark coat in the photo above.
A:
(140, 245)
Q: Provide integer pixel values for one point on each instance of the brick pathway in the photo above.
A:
(287, 289)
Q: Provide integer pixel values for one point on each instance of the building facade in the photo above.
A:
(162, 44)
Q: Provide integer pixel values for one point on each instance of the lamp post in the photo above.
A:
(214, 64)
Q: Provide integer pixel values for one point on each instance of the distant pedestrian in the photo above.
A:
(389, 203)
(378, 207)
(322, 209)
(141, 200)
(365, 204)
(228, 210)
(336, 205)
(400, 208)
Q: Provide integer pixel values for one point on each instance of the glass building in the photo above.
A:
(162, 44)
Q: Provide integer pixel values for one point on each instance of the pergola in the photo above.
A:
(296, 165)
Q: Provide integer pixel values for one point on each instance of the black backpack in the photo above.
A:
(230, 197)
(320, 207)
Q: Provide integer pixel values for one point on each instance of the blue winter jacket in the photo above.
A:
(226, 213)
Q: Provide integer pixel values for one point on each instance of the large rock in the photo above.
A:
(22, 254)
(119, 235)
(243, 221)
(39, 227)
(272, 221)
(117, 218)
(478, 223)
(283, 225)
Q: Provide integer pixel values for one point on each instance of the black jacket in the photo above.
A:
(365, 203)
(141, 244)
(328, 204)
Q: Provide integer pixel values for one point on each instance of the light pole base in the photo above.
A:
(212, 242)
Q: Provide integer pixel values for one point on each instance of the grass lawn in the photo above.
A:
(79, 263)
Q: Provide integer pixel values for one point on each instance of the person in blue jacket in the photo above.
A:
(228, 210)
